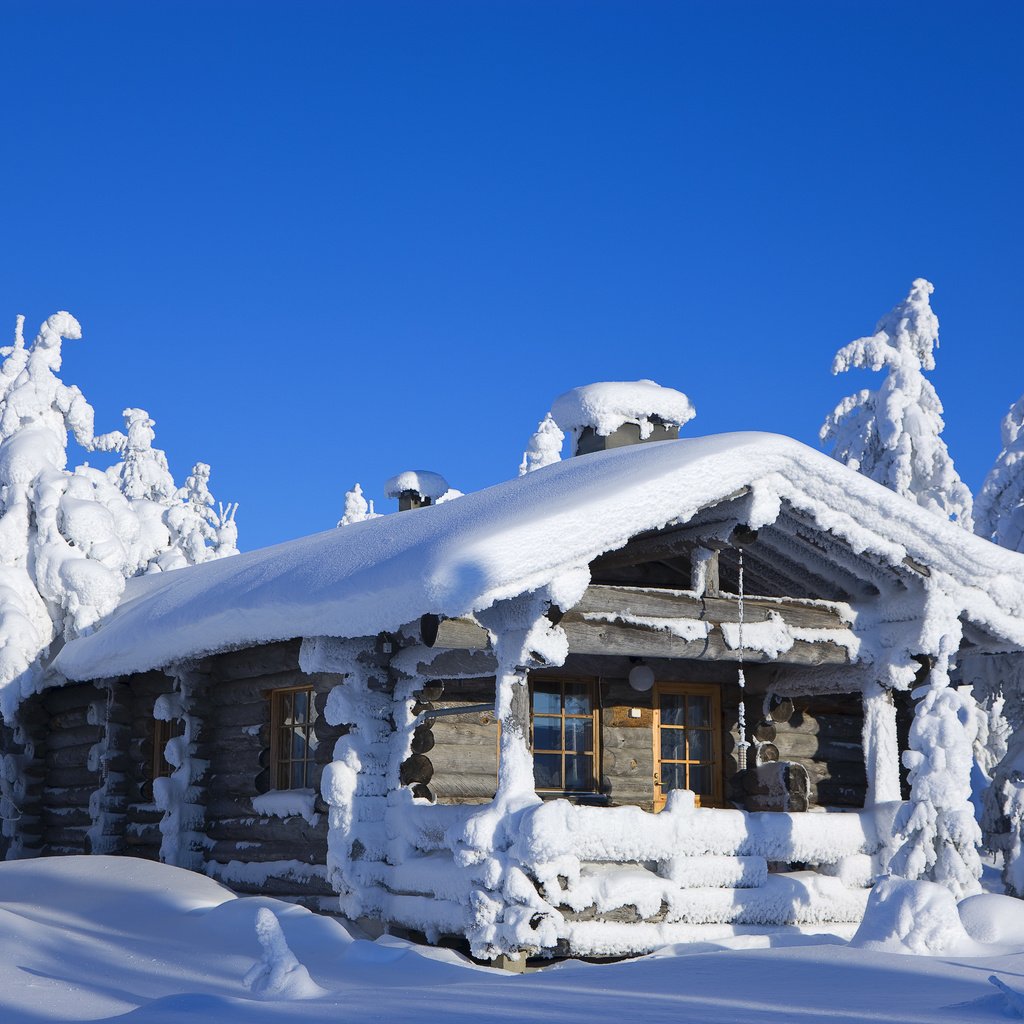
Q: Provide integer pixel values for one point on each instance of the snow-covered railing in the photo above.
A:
(621, 834)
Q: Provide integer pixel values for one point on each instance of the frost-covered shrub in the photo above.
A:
(893, 434)
(357, 508)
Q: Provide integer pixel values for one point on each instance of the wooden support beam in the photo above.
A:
(591, 626)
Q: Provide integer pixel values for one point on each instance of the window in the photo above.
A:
(563, 736)
(163, 732)
(687, 742)
(293, 738)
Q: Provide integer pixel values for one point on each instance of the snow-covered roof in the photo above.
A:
(422, 481)
(461, 556)
(606, 406)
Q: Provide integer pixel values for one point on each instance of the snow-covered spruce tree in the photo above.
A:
(199, 532)
(893, 434)
(357, 508)
(999, 510)
(66, 539)
(544, 448)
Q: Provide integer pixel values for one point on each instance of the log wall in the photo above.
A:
(72, 772)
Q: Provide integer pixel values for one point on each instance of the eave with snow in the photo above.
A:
(427, 635)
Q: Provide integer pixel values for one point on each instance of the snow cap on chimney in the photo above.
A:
(613, 414)
(416, 488)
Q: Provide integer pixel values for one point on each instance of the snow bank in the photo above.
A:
(913, 917)
(462, 556)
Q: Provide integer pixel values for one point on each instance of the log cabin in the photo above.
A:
(656, 692)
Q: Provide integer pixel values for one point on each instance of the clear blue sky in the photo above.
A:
(326, 242)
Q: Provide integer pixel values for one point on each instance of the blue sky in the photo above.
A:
(326, 242)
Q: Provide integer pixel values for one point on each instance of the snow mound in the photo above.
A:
(278, 974)
(993, 919)
(609, 405)
(913, 917)
(429, 485)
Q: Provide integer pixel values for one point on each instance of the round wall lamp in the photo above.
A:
(641, 677)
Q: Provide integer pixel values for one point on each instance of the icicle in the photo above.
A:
(743, 745)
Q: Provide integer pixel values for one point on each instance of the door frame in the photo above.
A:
(714, 692)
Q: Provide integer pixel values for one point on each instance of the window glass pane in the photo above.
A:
(577, 699)
(672, 706)
(298, 745)
(547, 699)
(673, 744)
(547, 771)
(698, 711)
(579, 734)
(311, 741)
(300, 700)
(700, 779)
(578, 774)
(547, 734)
(700, 744)
(673, 776)
(296, 775)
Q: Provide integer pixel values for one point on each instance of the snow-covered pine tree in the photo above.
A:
(544, 448)
(199, 532)
(65, 538)
(893, 434)
(999, 510)
(357, 508)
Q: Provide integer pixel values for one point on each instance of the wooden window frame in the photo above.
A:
(714, 693)
(163, 732)
(281, 761)
(595, 718)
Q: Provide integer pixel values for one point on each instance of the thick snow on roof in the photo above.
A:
(607, 406)
(427, 484)
(462, 556)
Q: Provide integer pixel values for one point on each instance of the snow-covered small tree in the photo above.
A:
(544, 448)
(357, 508)
(199, 531)
(999, 509)
(893, 434)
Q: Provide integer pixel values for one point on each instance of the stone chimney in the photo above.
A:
(614, 414)
(416, 488)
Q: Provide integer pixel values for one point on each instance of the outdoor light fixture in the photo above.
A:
(641, 677)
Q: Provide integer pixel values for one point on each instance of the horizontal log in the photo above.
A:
(281, 887)
(252, 662)
(819, 747)
(70, 776)
(77, 736)
(241, 715)
(462, 733)
(264, 852)
(70, 757)
(644, 603)
(72, 696)
(73, 718)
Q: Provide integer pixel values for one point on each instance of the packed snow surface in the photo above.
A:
(120, 939)
(609, 405)
(518, 536)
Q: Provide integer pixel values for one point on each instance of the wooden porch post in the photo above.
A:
(881, 747)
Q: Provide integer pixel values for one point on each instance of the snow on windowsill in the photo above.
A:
(287, 803)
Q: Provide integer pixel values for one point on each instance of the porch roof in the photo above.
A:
(462, 556)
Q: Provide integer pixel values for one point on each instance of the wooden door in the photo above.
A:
(688, 742)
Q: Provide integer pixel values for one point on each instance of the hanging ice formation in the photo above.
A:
(893, 434)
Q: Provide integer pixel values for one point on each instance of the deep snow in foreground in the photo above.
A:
(102, 938)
